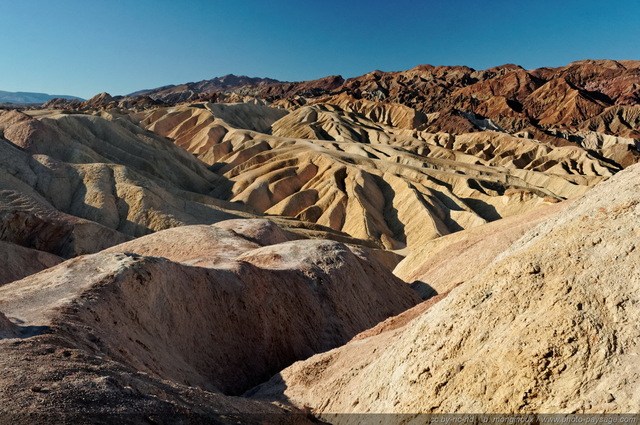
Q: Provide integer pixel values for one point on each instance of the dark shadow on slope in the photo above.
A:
(483, 209)
(390, 213)
(12, 328)
(424, 290)
(446, 206)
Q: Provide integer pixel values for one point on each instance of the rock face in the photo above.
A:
(31, 222)
(196, 128)
(262, 232)
(446, 262)
(458, 99)
(221, 251)
(194, 91)
(512, 97)
(229, 87)
(360, 167)
(358, 156)
(77, 184)
(84, 388)
(550, 326)
(223, 317)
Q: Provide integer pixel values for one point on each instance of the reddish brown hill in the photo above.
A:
(459, 97)
(191, 91)
(304, 88)
(560, 103)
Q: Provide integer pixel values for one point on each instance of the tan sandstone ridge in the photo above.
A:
(29, 220)
(222, 311)
(364, 168)
(446, 262)
(343, 166)
(77, 184)
(108, 170)
(551, 325)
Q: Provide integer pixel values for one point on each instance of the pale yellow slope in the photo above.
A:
(550, 326)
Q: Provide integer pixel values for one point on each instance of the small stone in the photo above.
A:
(532, 268)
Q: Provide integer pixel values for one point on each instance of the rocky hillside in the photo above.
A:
(221, 311)
(437, 240)
(363, 168)
(459, 99)
(77, 184)
(550, 325)
(192, 91)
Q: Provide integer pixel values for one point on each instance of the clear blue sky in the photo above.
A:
(83, 47)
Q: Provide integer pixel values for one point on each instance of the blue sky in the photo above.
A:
(83, 47)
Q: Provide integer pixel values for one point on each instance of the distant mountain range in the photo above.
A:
(264, 88)
(28, 97)
(587, 95)
(189, 91)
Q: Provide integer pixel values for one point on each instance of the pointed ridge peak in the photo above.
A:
(507, 66)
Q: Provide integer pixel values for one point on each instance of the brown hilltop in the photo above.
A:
(514, 84)
(621, 120)
(311, 88)
(194, 90)
(559, 102)
(619, 81)
(432, 89)
(453, 92)
(222, 323)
